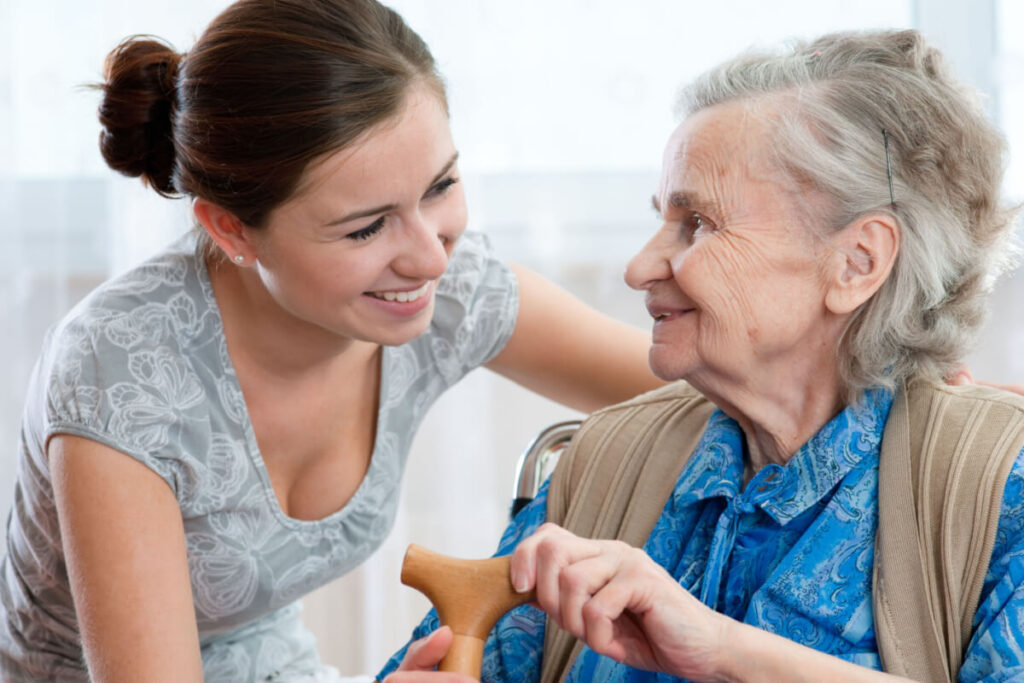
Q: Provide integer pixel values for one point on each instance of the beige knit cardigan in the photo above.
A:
(946, 454)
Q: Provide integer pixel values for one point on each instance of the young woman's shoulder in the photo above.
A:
(476, 306)
(170, 287)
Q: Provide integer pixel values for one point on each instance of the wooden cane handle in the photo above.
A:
(469, 595)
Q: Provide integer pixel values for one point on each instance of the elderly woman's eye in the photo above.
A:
(695, 222)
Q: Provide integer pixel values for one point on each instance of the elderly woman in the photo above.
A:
(825, 508)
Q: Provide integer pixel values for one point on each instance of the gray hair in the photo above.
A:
(837, 95)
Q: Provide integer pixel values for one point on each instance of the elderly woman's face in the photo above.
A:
(732, 277)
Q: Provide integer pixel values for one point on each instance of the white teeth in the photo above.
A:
(403, 297)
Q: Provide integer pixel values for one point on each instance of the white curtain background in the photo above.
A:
(560, 110)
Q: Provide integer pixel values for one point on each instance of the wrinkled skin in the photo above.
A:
(736, 279)
(734, 273)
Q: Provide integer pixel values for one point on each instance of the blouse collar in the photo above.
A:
(784, 491)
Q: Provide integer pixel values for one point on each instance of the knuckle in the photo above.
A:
(592, 611)
(550, 551)
(548, 528)
(623, 549)
(572, 580)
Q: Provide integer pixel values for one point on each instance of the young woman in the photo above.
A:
(223, 429)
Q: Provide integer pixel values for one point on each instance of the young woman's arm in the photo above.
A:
(124, 544)
(565, 350)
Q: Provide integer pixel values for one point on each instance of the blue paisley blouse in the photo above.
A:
(791, 553)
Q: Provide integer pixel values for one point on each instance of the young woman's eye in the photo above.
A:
(442, 187)
(367, 232)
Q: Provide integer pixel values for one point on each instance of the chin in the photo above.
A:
(401, 335)
(667, 363)
(394, 331)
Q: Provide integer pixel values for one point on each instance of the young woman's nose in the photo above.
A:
(650, 265)
(425, 254)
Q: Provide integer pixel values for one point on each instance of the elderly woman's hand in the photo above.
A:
(620, 602)
(422, 658)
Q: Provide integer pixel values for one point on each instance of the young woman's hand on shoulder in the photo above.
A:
(124, 545)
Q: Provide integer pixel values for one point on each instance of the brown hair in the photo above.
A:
(268, 88)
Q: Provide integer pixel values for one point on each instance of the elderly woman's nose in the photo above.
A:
(650, 265)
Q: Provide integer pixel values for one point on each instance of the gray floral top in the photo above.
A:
(141, 365)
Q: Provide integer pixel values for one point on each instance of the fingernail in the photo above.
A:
(519, 582)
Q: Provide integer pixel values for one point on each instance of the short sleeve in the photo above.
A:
(475, 311)
(133, 402)
(118, 370)
(996, 650)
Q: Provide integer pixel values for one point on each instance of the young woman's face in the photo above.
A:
(359, 250)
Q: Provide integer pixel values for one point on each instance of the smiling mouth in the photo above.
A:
(402, 297)
(673, 314)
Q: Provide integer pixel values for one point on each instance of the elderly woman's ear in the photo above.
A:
(863, 254)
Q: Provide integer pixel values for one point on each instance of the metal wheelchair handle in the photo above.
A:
(538, 460)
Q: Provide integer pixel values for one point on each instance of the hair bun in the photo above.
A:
(138, 100)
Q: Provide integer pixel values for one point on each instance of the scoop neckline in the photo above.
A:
(252, 448)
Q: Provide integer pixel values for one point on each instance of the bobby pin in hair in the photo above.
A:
(888, 165)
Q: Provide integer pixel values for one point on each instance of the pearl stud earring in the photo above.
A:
(239, 259)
